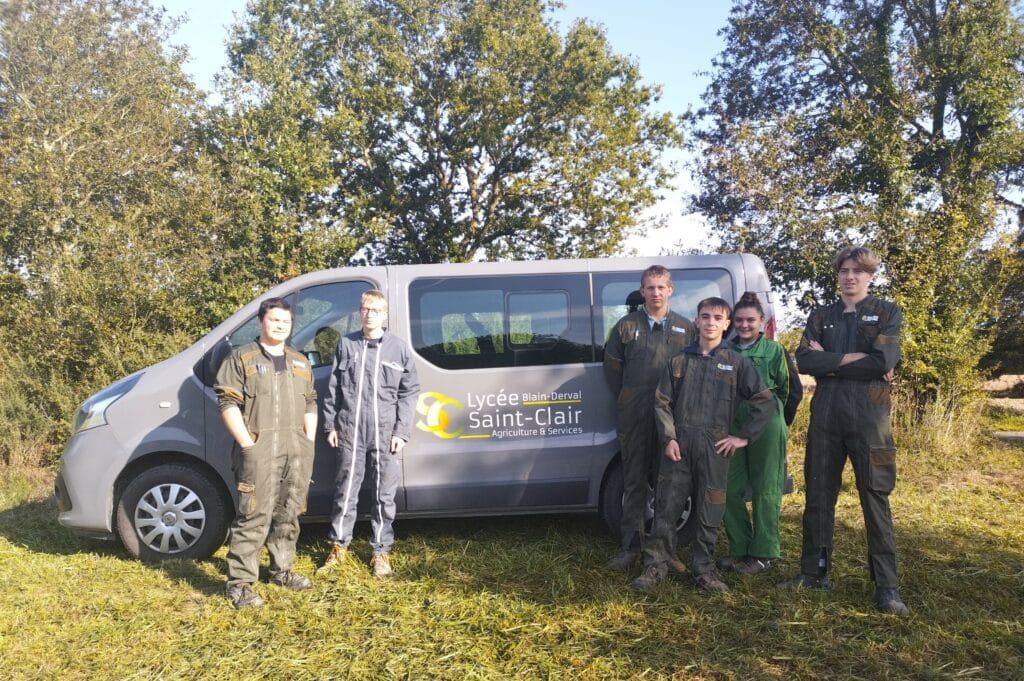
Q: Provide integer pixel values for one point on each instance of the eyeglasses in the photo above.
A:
(372, 311)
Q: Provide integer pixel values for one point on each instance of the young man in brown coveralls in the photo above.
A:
(638, 349)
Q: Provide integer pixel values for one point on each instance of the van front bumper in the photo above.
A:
(85, 484)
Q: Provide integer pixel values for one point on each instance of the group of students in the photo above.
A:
(697, 414)
(704, 416)
(268, 403)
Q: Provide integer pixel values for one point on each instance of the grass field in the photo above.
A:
(529, 598)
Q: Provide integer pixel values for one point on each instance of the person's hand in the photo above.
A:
(815, 345)
(397, 444)
(889, 375)
(728, 446)
(672, 451)
(332, 438)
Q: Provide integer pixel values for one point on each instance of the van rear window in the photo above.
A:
(612, 292)
(501, 321)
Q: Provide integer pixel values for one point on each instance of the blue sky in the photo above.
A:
(672, 40)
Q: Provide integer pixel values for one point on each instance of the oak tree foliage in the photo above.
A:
(412, 131)
(108, 204)
(894, 123)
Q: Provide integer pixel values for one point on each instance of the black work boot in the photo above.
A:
(753, 566)
(802, 581)
(888, 601)
(729, 563)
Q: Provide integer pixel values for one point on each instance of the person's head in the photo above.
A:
(748, 317)
(712, 319)
(855, 266)
(373, 312)
(275, 315)
(656, 289)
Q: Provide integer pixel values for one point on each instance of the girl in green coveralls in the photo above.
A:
(754, 542)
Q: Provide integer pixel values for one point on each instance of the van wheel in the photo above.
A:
(172, 511)
(611, 509)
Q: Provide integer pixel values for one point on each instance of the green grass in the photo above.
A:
(1005, 420)
(529, 598)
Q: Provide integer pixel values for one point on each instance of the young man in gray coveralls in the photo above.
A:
(368, 418)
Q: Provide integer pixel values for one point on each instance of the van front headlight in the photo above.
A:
(93, 411)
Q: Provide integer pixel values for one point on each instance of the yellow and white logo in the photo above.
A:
(431, 406)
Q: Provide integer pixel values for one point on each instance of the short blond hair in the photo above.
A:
(373, 295)
(863, 256)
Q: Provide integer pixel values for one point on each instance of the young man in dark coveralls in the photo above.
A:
(266, 397)
(368, 418)
(695, 406)
(851, 348)
(635, 356)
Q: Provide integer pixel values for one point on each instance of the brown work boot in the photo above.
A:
(291, 580)
(335, 558)
(649, 579)
(676, 565)
(624, 560)
(243, 596)
(381, 565)
(710, 581)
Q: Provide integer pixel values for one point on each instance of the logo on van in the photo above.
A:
(431, 406)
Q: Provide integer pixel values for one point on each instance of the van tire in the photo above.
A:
(611, 509)
(193, 517)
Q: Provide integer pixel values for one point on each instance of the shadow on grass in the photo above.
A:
(33, 525)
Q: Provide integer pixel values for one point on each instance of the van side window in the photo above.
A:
(612, 299)
(323, 314)
(503, 321)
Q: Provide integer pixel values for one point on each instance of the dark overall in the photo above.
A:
(272, 475)
(635, 358)
(695, 404)
(850, 419)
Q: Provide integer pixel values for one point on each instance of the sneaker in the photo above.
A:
(291, 580)
(624, 560)
(381, 565)
(243, 596)
(676, 565)
(335, 558)
(753, 566)
(710, 581)
(802, 581)
(888, 601)
(729, 563)
(649, 579)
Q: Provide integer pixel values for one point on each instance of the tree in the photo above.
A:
(443, 130)
(895, 123)
(108, 204)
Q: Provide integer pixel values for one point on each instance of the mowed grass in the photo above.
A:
(529, 598)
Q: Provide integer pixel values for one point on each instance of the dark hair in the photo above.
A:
(655, 271)
(864, 257)
(715, 302)
(749, 299)
(273, 304)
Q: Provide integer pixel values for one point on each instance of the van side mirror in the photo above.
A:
(313, 356)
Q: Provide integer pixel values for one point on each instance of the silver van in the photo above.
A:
(514, 415)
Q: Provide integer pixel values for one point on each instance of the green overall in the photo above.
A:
(762, 463)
